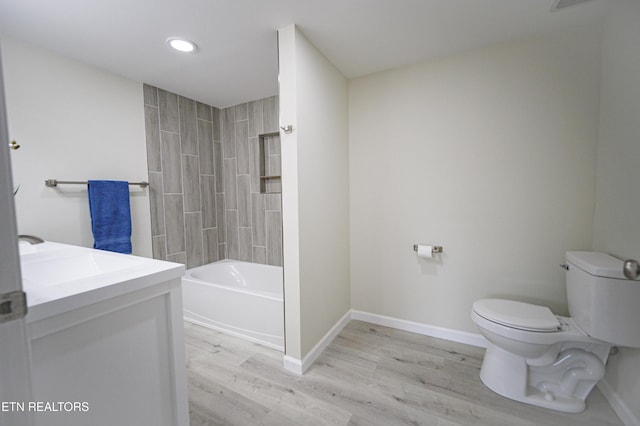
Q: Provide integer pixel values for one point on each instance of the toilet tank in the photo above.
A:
(602, 302)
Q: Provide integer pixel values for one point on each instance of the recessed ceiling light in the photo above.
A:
(182, 45)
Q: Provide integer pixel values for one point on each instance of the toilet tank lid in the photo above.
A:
(520, 315)
(596, 263)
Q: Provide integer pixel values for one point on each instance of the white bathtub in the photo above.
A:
(239, 298)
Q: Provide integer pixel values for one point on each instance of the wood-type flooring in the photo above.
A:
(369, 375)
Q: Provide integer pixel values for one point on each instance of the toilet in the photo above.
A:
(551, 361)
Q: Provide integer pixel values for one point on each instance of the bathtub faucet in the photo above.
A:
(30, 239)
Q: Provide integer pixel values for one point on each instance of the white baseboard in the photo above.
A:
(299, 367)
(472, 339)
(618, 405)
(292, 365)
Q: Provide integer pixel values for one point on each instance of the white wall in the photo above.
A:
(315, 193)
(617, 214)
(73, 122)
(289, 172)
(491, 154)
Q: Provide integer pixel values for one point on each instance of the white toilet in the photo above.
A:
(539, 358)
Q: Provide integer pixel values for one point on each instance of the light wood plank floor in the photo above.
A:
(369, 375)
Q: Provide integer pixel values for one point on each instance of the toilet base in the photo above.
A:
(561, 386)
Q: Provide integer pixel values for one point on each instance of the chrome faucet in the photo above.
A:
(30, 239)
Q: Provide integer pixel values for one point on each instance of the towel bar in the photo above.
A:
(54, 182)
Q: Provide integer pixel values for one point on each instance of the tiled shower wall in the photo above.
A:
(203, 163)
(253, 220)
(180, 158)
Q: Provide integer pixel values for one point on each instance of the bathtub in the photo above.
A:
(239, 298)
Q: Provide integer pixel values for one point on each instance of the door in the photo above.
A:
(15, 378)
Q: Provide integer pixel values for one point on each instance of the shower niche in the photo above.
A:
(270, 168)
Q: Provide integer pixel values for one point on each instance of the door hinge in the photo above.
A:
(13, 306)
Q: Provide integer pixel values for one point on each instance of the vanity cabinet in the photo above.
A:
(112, 354)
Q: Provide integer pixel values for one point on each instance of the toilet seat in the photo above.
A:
(518, 315)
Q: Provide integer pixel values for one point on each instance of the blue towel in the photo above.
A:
(110, 215)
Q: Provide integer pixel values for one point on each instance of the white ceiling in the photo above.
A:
(237, 57)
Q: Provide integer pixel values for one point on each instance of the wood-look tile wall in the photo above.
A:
(204, 183)
(180, 136)
(253, 221)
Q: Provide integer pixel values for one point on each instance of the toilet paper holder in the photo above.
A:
(434, 249)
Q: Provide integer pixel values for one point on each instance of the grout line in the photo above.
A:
(164, 206)
(184, 220)
(200, 182)
(168, 131)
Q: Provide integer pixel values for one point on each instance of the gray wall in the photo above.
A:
(180, 158)
(253, 220)
(204, 183)
(616, 228)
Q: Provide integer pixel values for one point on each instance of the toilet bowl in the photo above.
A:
(536, 359)
(551, 361)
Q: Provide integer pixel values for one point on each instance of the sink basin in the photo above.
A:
(58, 277)
(50, 264)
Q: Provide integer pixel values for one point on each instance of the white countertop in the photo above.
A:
(60, 277)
